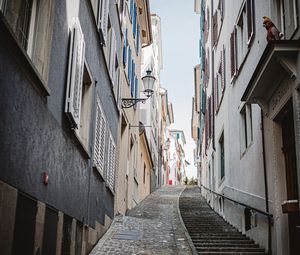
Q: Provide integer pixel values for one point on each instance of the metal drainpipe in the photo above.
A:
(266, 184)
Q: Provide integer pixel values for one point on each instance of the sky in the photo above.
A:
(180, 44)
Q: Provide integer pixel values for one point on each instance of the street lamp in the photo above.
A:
(148, 81)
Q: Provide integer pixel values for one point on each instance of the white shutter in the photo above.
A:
(104, 20)
(112, 59)
(111, 166)
(75, 74)
(99, 144)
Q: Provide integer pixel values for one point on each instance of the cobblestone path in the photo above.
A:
(152, 227)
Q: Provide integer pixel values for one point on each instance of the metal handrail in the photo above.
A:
(237, 202)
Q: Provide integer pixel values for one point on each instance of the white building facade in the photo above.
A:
(150, 112)
(252, 103)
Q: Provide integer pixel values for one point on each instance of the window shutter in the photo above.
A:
(99, 144)
(215, 28)
(233, 52)
(134, 20)
(136, 89)
(138, 39)
(125, 48)
(111, 166)
(131, 9)
(223, 70)
(216, 93)
(132, 78)
(209, 117)
(104, 20)
(112, 61)
(250, 17)
(75, 74)
(129, 65)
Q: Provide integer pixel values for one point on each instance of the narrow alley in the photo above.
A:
(157, 226)
(152, 227)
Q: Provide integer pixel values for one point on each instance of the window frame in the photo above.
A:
(246, 128)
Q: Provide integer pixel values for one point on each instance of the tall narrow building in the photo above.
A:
(59, 123)
(250, 160)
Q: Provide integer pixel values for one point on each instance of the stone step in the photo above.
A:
(205, 241)
(228, 249)
(222, 244)
(212, 237)
(232, 253)
(210, 233)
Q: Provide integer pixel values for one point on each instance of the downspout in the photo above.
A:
(266, 184)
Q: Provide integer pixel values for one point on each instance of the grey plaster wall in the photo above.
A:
(35, 135)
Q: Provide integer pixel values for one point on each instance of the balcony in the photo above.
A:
(275, 71)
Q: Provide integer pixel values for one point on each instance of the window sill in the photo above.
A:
(219, 104)
(246, 150)
(110, 190)
(99, 172)
(11, 43)
(81, 145)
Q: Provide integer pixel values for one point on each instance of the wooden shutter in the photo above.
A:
(203, 101)
(209, 117)
(125, 48)
(104, 20)
(132, 78)
(250, 19)
(134, 23)
(233, 60)
(223, 70)
(131, 9)
(112, 59)
(138, 40)
(111, 164)
(136, 89)
(99, 143)
(215, 28)
(216, 93)
(75, 74)
(129, 65)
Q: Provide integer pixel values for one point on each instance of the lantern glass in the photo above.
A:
(148, 81)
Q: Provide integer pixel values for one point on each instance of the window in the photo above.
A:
(241, 33)
(22, 16)
(291, 18)
(246, 133)
(217, 20)
(2, 5)
(247, 215)
(85, 109)
(101, 9)
(242, 36)
(99, 142)
(75, 75)
(222, 157)
(113, 61)
(31, 22)
(144, 175)
(220, 81)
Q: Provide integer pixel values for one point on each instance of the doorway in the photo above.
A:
(289, 151)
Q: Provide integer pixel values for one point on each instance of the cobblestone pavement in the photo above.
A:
(152, 227)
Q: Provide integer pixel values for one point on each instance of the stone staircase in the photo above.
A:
(210, 233)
